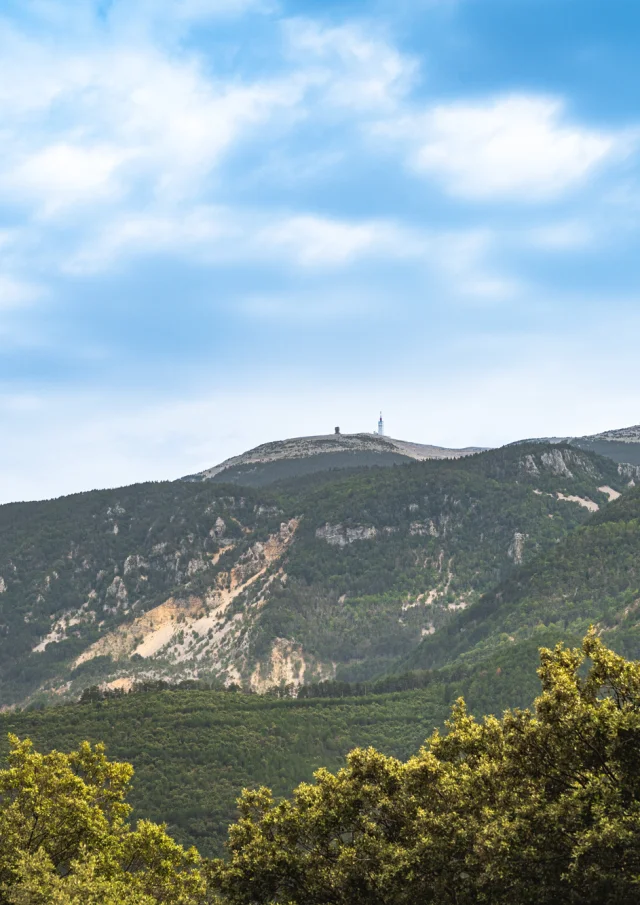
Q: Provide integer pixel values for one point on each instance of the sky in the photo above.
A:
(225, 222)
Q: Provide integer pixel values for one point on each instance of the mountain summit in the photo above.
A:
(304, 455)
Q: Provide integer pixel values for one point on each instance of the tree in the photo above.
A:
(537, 808)
(65, 838)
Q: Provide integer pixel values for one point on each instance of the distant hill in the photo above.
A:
(299, 456)
(332, 575)
(592, 576)
(622, 444)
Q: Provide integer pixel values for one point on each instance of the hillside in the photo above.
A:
(332, 575)
(299, 456)
(195, 750)
(622, 445)
(592, 576)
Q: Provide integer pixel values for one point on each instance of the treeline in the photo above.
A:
(538, 807)
(406, 682)
(103, 693)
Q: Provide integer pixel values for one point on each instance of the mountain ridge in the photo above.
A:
(304, 455)
(325, 577)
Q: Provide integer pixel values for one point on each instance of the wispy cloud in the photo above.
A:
(519, 146)
(119, 123)
(198, 191)
(352, 67)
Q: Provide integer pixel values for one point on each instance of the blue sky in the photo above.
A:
(228, 221)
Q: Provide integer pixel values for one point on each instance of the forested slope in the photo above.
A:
(590, 577)
(195, 750)
(333, 575)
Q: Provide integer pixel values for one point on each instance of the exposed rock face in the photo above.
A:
(585, 502)
(3, 585)
(117, 592)
(554, 461)
(339, 536)
(286, 667)
(202, 631)
(630, 472)
(423, 529)
(218, 529)
(529, 465)
(516, 548)
(134, 563)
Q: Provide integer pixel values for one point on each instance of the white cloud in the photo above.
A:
(195, 233)
(460, 262)
(121, 122)
(314, 241)
(209, 233)
(63, 174)
(518, 146)
(353, 67)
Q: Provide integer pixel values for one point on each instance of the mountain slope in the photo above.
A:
(332, 575)
(306, 455)
(622, 445)
(591, 576)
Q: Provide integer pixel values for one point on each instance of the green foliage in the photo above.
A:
(194, 750)
(535, 808)
(65, 838)
(445, 526)
(593, 575)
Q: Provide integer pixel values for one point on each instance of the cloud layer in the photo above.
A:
(207, 193)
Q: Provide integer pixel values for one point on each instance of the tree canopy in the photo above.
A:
(541, 806)
(538, 807)
(65, 838)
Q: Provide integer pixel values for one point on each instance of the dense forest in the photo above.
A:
(592, 576)
(194, 749)
(534, 807)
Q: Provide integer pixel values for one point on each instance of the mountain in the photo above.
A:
(622, 445)
(591, 576)
(306, 455)
(338, 574)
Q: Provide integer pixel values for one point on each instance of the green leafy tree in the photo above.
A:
(537, 808)
(65, 838)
